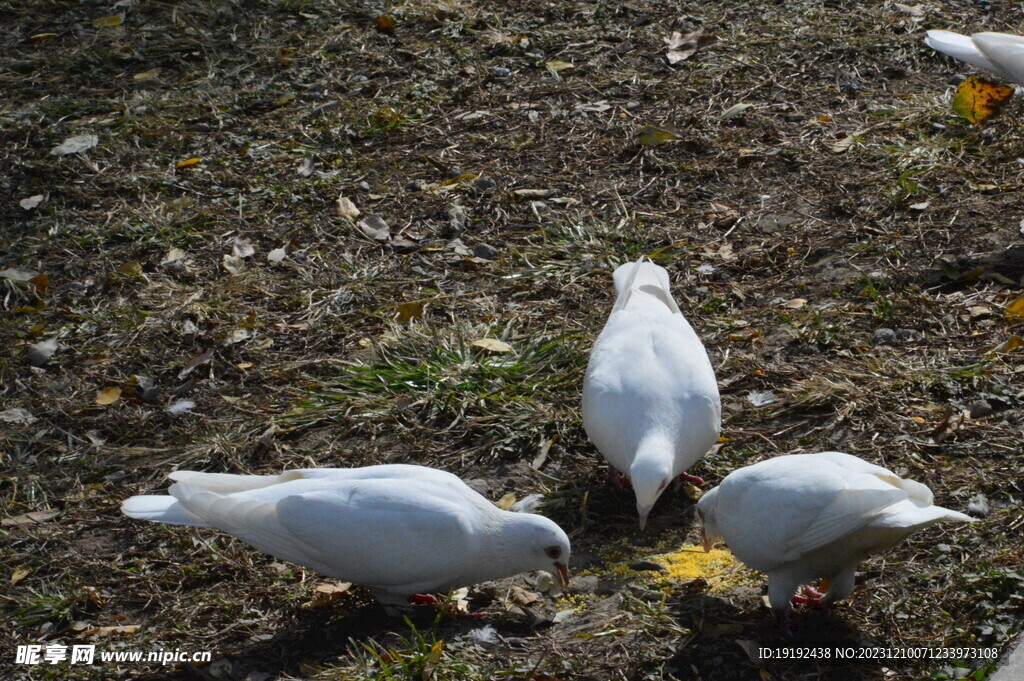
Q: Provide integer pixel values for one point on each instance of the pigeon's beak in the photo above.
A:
(562, 571)
(704, 541)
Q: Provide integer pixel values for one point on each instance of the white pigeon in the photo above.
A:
(1000, 53)
(805, 517)
(399, 530)
(650, 398)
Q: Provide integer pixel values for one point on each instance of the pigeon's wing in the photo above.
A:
(380, 533)
(775, 512)
(916, 491)
(960, 47)
(1005, 52)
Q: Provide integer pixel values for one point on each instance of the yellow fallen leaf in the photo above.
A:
(652, 137)
(407, 311)
(108, 22)
(978, 100)
(132, 268)
(106, 631)
(40, 37)
(327, 592)
(188, 162)
(506, 501)
(19, 574)
(33, 518)
(152, 74)
(492, 345)
(1014, 311)
(108, 396)
(556, 66)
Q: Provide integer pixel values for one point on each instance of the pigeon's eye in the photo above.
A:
(554, 552)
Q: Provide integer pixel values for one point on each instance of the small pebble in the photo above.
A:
(906, 334)
(485, 251)
(500, 72)
(883, 337)
(979, 409)
(632, 106)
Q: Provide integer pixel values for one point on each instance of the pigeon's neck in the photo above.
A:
(655, 452)
(649, 300)
(502, 541)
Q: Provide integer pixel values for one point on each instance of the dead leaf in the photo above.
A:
(41, 282)
(107, 396)
(522, 596)
(652, 137)
(173, 256)
(977, 100)
(534, 193)
(795, 303)
(1014, 311)
(682, 47)
(19, 574)
(492, 345)
(144, 76)
(558, 66)
(132, 268)
(107, 631)
(844, 143)
(386, 24)
(17, 274)
(1009, 345)
(31, 202)
(17, 415)
(734, 111)
(233, 263)
(327, 592)
(914, 11)
(187, 162)
(33, 518)
(276, 256)
(108, 22)
(407, 311)
(506, 501)
(347, 209)
(374, 227)
(196, 361)
(74, 145)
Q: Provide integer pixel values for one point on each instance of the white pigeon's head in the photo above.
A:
(649, 478)
(547, 547)
(707, 511)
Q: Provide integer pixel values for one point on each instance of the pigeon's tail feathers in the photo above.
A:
(160, 508)
(960, 47)
(1005, 52)
(910, 515)
(225, 483)
(642, 280)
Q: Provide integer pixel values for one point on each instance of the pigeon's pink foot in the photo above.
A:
(618, 480)
(424, 599)
(692, 479)
(811, 596)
